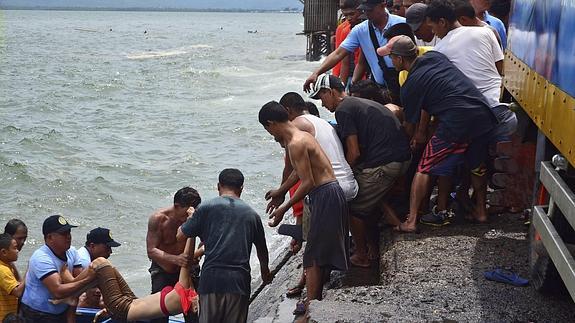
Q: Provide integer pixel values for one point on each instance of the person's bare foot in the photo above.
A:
(359, 261)
(405, 227)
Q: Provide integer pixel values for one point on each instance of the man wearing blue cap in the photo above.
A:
(43, 281)
(99, 243)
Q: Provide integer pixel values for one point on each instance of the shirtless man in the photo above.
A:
(165, 252)
(327, 240)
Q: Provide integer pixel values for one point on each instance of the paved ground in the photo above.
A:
(434, 276)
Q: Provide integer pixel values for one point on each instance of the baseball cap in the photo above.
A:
(56, 223)
(399, 45)
(326, 81)
(415, 15)
(101, 235)
(369, 4)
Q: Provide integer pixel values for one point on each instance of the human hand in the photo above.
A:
(277, 199)
(181, 260)
(309, 81)
(101, 314)
(190, 211)
(295, 246)
(277, 216)
(267, 276)
(418, 141)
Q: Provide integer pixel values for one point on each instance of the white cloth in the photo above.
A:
(85, 258)
(432, 43)
(474, 50)
(329, 141)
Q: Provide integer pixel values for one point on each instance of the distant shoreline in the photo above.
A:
(290, 10)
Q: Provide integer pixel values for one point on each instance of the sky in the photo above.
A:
(187, 4)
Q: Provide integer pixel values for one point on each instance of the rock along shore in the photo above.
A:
(434, 276)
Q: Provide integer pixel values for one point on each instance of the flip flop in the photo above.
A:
(299, 308)
(507, 277)
(294, 291)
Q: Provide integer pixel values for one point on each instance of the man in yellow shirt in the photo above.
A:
(10, 288)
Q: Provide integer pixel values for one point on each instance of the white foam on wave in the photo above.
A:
(167, 53)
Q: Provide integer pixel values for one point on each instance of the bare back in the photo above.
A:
(308, 159)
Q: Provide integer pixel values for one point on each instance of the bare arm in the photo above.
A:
(58, 289)
(352, 150)
(419, 137)
(360, 68)
(330, 61)
(409, 128)
(153, 242)
(499, 66)
(18, 290)
(344, 70)
(263, 257)
(301, 163)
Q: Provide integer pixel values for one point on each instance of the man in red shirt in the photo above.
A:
(353, 16)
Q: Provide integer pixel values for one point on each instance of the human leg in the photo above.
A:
(117, 295)
(313, 283)
(440, 158)
(160, 279)
(357, 228)
(419, 188)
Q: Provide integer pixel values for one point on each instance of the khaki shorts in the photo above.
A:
(374, 183)
(305, 218)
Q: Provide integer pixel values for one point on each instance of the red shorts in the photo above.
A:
(441, 158)
(298, 207)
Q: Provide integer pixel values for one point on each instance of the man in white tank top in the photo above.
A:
(327, 138)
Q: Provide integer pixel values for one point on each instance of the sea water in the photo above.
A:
(105, 115)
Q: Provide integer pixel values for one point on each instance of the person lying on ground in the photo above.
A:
(123, 305)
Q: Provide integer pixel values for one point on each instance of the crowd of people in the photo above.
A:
(415, 91)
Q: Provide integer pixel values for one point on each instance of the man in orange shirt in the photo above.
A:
(353, 16)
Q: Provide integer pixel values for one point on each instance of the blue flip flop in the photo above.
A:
(507, 277)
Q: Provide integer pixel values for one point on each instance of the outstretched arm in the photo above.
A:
(330, 61)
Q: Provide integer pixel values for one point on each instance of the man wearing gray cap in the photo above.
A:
(363, 36)
(415, 18)
(464, 120)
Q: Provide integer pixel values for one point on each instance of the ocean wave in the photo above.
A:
(167, 53)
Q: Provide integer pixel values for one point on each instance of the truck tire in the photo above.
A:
(544, 276)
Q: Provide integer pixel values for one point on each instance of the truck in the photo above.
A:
(540, 76)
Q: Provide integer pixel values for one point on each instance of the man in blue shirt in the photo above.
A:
(43, 281)
(481, 7)
(379, 19)
(99, 243)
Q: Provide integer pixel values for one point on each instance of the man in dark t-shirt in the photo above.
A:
(376, 149)
(228, 227)
(464, 122)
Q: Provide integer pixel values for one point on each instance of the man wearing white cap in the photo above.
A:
(376, 149)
